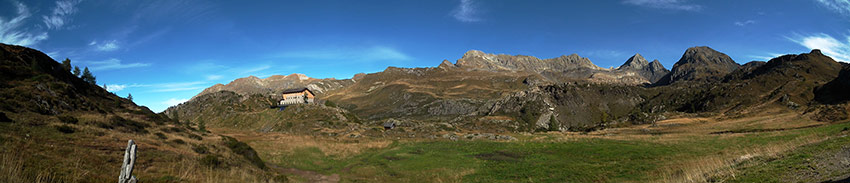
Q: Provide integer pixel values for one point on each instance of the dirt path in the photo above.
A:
(310, 176)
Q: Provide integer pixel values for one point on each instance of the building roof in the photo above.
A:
(296, 90)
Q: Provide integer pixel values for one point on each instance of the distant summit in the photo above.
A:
(652, 71)
(477, 60)
(700, 63)
(254, 85)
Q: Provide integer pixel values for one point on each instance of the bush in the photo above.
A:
(200, 149)
(67, 119)
(65, 129)
(210, 160)
(329, 103)
(281, 178)
(193, 136)
(4, 118)
(161, 136)
(243, 149)
(130, 125)
(178, 141)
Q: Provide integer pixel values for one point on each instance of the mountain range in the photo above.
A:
(566, 93)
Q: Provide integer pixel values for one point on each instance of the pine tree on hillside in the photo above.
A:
(66, 64)
(77, 71)
(130, 97)
(88, 77)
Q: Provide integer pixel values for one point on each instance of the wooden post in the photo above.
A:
(129, 160)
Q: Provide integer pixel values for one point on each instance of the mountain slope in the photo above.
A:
(652, 71)
(59, 128)
(276, 83)
(699, 64)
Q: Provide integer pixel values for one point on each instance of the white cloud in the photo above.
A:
(61, 14)
(214, 77)
(837, 49)
(105, 46)
(368, 54)
(174, 101)
(765, 56)
(466, 11)
(115, 88)
(665, 4)
(839, 6)
(10, 29)
(113, 63)
(745, 23)
(160, 87)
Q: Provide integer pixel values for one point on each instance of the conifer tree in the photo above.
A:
(66, 64)
(88, 77)
(77, 71)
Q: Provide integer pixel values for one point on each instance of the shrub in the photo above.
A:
(281, 178)
(161, 136)
(200, 149)
(65, 129)
(193, 136)
(210, 160)
(4, 118)
(243, 149)
(130, 125)
(329, 103)
(67, 119)
(178, 141)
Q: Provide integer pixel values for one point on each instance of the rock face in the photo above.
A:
(562, 69)
(477, 60)
(254, 85)
(652, 71)
(700, 63)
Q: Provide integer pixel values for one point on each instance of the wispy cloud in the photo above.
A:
(837, 49)
(466, 11)
(174, 101)
(744, 23)
(765, 56)
(11, 31)
(839, 6)
(113, 63)
(665, 4)
(105, 46)
(115, 88)
(160, 87)
(368, 54)
(61, 14)
(214, 77)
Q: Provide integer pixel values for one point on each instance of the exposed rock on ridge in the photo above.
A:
(700, 63)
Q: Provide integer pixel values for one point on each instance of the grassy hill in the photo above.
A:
(55, 127)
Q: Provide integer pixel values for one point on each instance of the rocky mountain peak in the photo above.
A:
(635, 62)
(700, 63)
(446, 65)
(474, 53)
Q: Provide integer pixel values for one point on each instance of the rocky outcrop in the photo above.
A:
(652, 71)
(562, 69)
(700, 64)
(276, 83)
(477, 60)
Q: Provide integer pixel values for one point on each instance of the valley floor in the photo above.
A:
(775, 146)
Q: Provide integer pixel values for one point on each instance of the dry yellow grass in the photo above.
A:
(278, 143)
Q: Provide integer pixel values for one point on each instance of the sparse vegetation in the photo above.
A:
(160, 136)
(210, 160)
(65, 129)
(245, 150)
(67, 119)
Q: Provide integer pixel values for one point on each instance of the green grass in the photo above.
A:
(582, 160)
(802, 159)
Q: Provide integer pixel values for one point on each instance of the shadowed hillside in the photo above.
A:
(55, 127)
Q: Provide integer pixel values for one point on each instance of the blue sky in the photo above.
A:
(165, 52)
